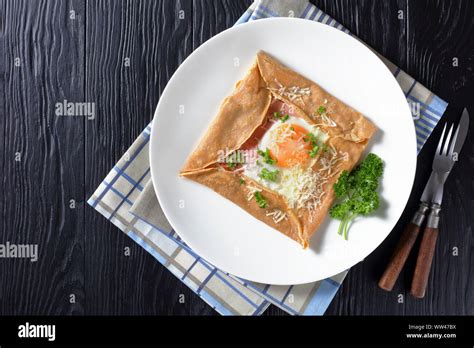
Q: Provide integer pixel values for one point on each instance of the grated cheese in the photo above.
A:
(252, 189)
(310, 189)
(292, 93)
(302, 188)
(329, 164)
(326, 121)
(329, 121)
(277, 215)
(281, 133)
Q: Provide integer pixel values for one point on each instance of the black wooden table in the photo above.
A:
(120, 55)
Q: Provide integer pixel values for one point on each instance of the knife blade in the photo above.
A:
(463, 129)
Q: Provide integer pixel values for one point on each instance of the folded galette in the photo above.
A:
(277, 146)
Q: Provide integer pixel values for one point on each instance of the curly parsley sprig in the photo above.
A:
(358, 192)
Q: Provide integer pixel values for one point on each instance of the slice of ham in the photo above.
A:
(275, 106)
(252, 142)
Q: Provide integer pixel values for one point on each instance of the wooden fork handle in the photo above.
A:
(425, 255)
(402, 250)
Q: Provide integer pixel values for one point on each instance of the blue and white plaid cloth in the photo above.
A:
(126, 198)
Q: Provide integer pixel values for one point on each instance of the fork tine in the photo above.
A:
(438, 150)
(453, 142)
(448, 139)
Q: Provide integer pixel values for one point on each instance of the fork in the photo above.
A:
(431, 200)
(442, 164)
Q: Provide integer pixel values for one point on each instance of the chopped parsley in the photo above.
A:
(269, 175)
(241, 181)
(314, 151)
(282, 118)
(262, 202)
(314, 143)
(267, 158)
(311, 137)
(321, 110)
(234, 159)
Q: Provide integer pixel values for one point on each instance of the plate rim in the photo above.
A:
(164, 94)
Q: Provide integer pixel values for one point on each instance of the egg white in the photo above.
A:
(289, 181)
(267, 140)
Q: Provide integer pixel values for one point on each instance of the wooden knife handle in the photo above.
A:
(399, 257)
(423, 262)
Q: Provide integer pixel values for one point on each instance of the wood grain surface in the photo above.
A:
(120, 55)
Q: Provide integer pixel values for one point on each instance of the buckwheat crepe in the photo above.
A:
(303, 137)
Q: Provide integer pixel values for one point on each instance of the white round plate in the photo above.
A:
(221, 232)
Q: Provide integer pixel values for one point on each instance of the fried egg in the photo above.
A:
(288, 142)
(289, 145)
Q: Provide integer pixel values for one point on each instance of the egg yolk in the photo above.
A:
(289, 147)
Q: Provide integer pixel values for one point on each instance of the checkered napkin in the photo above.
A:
(126, 197)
